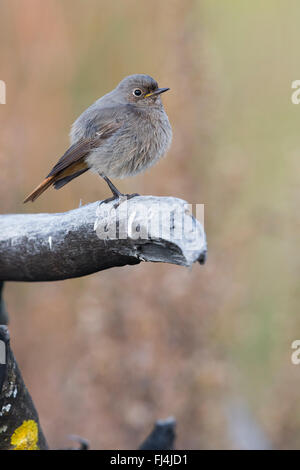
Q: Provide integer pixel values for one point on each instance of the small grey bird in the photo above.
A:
(121, 134)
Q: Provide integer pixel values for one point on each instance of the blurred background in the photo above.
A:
(106, 355)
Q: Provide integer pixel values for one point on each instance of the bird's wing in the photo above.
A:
(80, 149)
(97, 127)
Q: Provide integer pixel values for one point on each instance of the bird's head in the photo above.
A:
(140, 89)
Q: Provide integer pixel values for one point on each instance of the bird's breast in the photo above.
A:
(136, 146)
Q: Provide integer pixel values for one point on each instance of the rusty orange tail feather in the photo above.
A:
(40, 189)
(59, 179)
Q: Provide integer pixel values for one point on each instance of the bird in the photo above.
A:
(122, 134)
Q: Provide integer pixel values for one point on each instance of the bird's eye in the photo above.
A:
(137, 92)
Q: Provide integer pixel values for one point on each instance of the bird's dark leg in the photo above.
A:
(116, 193)
(114, 190)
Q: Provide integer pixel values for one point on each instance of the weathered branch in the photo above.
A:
(19, 422)
(162, 436)
(48, 247)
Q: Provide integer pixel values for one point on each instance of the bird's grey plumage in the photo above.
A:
(121, 134)
(143, 133)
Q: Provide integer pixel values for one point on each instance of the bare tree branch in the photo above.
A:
(49, 247)
(162, 436)
(19, 423)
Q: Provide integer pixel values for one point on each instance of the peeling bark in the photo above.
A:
(49, 247)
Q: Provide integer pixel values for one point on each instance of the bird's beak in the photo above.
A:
(156, 92)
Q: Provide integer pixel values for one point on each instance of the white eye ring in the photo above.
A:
(137, 92)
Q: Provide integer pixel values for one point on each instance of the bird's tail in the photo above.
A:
(40, 189)
(58, 180)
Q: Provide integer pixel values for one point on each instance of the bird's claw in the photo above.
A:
(124, 197)
(119, 199)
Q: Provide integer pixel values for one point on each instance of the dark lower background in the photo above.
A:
(107, 355)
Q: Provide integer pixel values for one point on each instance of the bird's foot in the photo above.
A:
(119, 198)
(122, 198)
